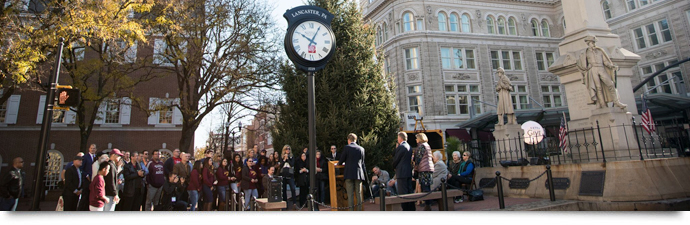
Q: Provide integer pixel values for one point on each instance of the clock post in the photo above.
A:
(310, 44)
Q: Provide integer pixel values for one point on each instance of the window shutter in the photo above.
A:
(41, 107)
(177, 114)
(100, 115)
(12, 109)
(153, 118)
(125, 110)
(70, 116)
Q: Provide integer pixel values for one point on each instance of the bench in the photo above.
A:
(394, 203)
(264, 205)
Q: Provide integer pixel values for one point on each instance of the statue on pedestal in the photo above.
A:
(505, 102)
(598, 75)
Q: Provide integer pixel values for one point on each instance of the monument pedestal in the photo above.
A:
(508, 142)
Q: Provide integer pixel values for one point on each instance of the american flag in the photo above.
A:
(563, 135)
(647, 120)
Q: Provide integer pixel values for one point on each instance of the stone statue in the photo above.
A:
(598, 75)
(505, 102)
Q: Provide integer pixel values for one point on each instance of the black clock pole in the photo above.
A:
(312, 133)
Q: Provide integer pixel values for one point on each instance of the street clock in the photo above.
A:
(309, 41)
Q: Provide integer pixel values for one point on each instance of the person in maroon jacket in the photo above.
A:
(236, 175)
(97, 197)
(223, 176)
(250, 181)
(194, 186)
(208, 180)
(155, 181)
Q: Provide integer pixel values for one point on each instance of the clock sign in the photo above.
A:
(309, 41)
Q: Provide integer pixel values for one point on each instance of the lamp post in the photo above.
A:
(233, 137)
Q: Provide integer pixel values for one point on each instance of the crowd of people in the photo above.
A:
(144, 181)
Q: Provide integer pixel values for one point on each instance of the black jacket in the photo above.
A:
(170, 190)
(402, 161)
(72, 181)
(11, 183)
(353, 157)
(168, 167)
(133, 182)
(111, 180)
(301, 179)
(284, 172)
(323, 164)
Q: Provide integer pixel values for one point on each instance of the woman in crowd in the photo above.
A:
(171, 197)
(97, 199)
(423, 166)
(440, 170)
(454, 165)
(194, 186)
(96, 165)
(263, 165)
(250, 182)
(236, 175)
(464, 174)
(276, 158)
(302, 178)
(223, 176)
(321, 176)
(208, 180)
(287, 171)
(270, 162)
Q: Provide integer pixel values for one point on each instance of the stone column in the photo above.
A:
(585, 18)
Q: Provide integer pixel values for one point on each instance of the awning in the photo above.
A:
(545, 117)
(665, 106)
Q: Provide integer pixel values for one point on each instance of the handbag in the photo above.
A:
(476, 195)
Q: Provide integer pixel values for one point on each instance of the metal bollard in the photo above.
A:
(601, 143)
(239, 202)
(549, 177)
(227, 198)
(499, 185)
(444, 195)
(310, 202)
(382, 195)
(231, 201)
(252, 203)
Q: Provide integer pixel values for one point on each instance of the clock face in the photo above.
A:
(312, 41)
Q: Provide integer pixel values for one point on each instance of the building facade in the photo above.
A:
(443, 54)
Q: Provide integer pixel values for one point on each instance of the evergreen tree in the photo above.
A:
(352, 94)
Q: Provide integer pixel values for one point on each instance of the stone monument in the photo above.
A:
(596, 71)
(506, 134)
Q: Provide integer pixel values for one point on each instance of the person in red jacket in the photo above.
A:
(207, 185)
(250, 182)
(194, 186)
(97, 197)
(223, 176)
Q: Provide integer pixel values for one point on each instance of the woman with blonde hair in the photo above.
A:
(287, 171)
(423, 165)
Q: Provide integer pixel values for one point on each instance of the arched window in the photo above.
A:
(535, 28)
(379, 36)
(501, 25)
(545, 28)
(465, 23)
(408, 22)
(454, 23)
(165, 154)
(490, 25)
(385, 32)
(442, 26)
(512, 30)
(54, 164)
(563, 19)
(607, 9)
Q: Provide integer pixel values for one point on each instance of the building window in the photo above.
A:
(388, 66)
(408, 22)
(490, 25)
(420, 24)
(648, 35)
(545, 28)
(457, 58)
(3, 112)
(551, 96)
(501, 25)
(535, 28)
(415, 102)
(544, 60)
(165, 115)
(519, 96)
(460, 97)
(385, 32)
(512, 26)
(159, 57)
(112, 111)
(465, 23)
(164, 111)
(379, 36)
(607, 9)
(411, 59)
(454, 23)
(670, 81)
(442, 22)
(632, 5)
(509, 60)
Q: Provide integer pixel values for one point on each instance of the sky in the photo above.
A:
(214, 119)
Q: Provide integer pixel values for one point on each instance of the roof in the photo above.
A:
(546, 117)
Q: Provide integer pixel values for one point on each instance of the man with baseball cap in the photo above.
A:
(111, 181)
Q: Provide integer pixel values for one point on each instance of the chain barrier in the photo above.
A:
(540, 175)
(345, 207)
(305, 205)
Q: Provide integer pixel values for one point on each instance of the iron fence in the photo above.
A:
(592, 144)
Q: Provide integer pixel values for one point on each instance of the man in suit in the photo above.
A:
(133, 189)
(403, 169)
(334, 154)
(353, 157)
(73, 185)
(86, 167)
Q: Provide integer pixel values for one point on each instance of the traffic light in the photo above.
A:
(68, 97)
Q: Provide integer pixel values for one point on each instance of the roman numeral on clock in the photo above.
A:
(327, 42)
(325, 49)
(297, 48)
(311, 25)
(295, 40)
(304, 55)
(311, 57)
(303, 27)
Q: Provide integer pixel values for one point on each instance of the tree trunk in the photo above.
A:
(187, 138)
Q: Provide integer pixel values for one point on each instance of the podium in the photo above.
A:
(336, 185)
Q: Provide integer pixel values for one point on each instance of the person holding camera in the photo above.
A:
(171, 198)
(288, 172)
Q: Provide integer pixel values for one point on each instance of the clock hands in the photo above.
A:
(315, 33)
(305, 37)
